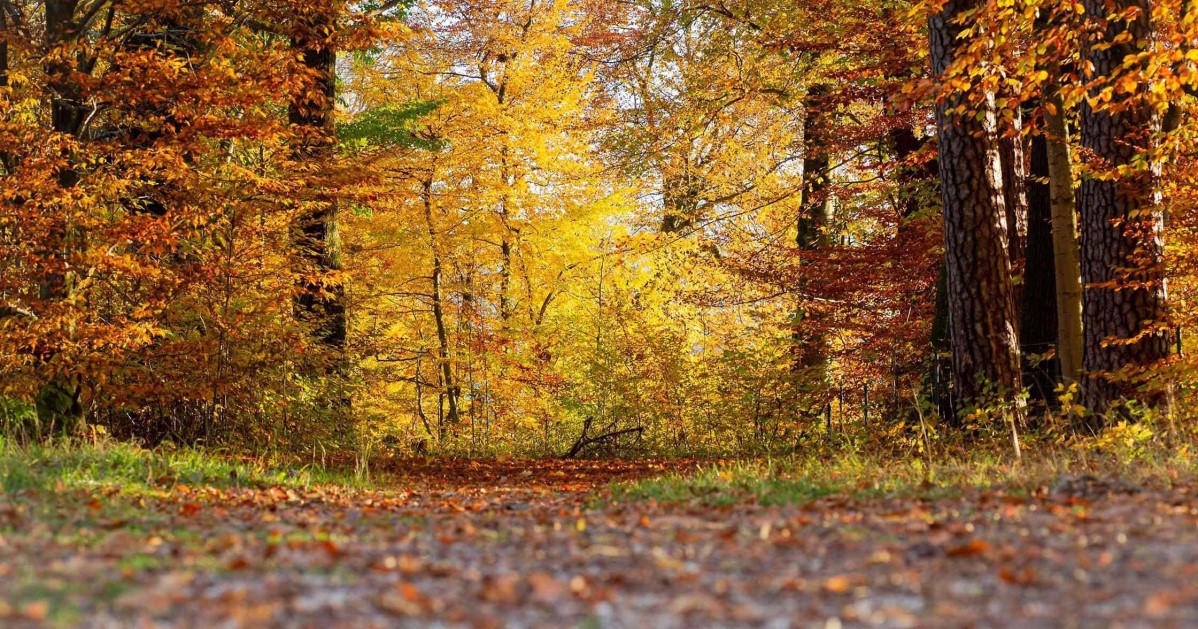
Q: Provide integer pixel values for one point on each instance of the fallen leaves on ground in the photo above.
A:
(486, 544)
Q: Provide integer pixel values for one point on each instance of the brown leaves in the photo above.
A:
(840, 584)
(888, 561)
(407, 600)
(972, 548)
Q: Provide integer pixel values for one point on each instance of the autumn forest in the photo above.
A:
(784, 267)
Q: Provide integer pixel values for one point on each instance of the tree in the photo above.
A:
(311, 110)
(814, 229)
(1038, 328)
(982, 318)
(1122, 224)
(1065, 246)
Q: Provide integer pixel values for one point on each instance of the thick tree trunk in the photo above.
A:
(1122, 225)
(1038, 323)
(445, 364)
(982, 320)
(1065, 247)
(815, 217)
(311, 113)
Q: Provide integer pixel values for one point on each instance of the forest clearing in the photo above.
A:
(636, 313)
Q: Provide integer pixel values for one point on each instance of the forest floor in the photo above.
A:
(553, 545)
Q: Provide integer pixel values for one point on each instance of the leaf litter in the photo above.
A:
(545, 544)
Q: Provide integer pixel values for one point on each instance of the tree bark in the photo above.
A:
(1014, 179)
(1125, 320)
(815, 217)
(982, 320)
(1065, 247)
(311, 113)
(58, 402)
(451, 390)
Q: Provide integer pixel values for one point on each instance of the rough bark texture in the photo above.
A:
(311, 112)
(1038, 323)
(1014, 178)
(1122, 226)
(982, 320)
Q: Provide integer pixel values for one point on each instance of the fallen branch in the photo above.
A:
(585, 442)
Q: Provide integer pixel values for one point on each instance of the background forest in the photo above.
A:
(570, 227)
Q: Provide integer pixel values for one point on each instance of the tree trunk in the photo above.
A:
(311, 113)
(1038, 323)
(982, 319)
(1014, 179)
(450, 388)
(1065, 247)
(815, 217)
(906, 144)
(680, 198)
(1126, 327)
(172, 35)
(59, 403)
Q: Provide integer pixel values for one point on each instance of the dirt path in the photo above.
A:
(529, 549)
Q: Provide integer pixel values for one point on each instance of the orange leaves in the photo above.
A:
(840, 584)
(972, 548)
(407, 600)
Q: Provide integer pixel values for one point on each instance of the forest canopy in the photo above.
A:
(587, 227)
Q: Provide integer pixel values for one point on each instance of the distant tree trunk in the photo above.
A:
(1065, 246)
(311, 113)
(172, 35)
(505, 280)
(680, 198)
(815, 217)
(1122, 223)
(906, 144)
(6, 161)
(982, 320)
(59, 402)
(450, 389)
(1038, 324)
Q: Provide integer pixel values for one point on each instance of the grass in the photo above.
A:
(802, 480)
(76, 465)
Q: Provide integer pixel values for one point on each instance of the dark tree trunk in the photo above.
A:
(172, 35)
(1038, 324)
(450, 388)
(913, 198)
(816, 211)
(982, 320)
(58, 402)
(680, 196)
(6, 158)
(815, 217)
(1122, 225)
(311, 113)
